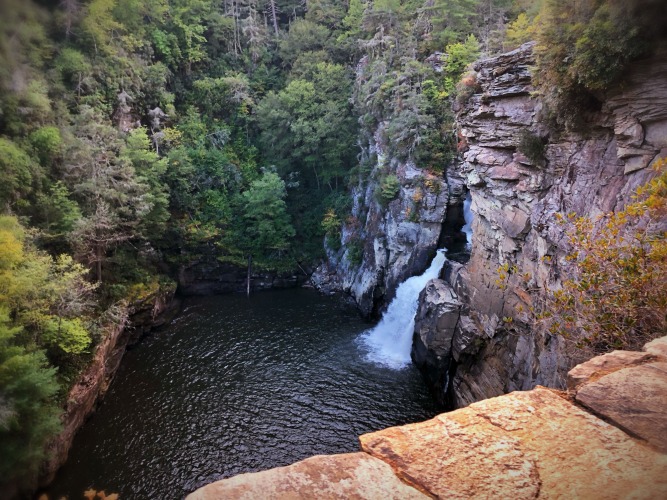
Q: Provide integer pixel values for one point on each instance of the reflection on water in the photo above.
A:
(238, 385)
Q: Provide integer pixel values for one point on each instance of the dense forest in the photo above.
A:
(137, 134)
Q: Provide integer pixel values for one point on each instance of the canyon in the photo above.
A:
(473, 335)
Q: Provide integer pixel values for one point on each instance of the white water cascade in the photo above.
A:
(467, 216)
(390, 341)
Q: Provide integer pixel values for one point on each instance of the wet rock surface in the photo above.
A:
(436, 322)
(535, 444)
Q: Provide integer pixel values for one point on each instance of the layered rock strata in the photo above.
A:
(585, 443)
(491, 349)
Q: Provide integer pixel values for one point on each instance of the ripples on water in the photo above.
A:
(238, 385)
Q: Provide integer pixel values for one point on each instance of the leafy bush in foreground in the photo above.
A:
(616, 297)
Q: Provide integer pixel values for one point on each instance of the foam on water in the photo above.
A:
(390, 341)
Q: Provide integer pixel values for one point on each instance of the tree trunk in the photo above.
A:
(249, 272)
(98, 252)
(273, 11)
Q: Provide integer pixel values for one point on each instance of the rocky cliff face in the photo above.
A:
(473, 335)
(207, 276)
(395, 241)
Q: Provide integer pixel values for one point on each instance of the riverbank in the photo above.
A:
(132, 321)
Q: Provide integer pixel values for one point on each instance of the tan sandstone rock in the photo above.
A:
(523, 445)
(657, 347)
(347, 476)
(599, 366)
(633, 398)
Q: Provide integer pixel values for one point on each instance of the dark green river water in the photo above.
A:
(238, 385)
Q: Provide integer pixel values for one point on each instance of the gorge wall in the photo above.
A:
(473, 335)
(156, 308)
(207, 275)
(392, 241)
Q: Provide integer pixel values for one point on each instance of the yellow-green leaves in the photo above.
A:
(616, 295)
(48, 298)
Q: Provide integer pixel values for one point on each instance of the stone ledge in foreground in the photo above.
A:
(534, 444)
(350, 475)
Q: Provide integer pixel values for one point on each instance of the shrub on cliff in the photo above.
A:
(388, 189)
(584, 47)
(533, 147)
(331, 224)
(616, 295)
(355, 252)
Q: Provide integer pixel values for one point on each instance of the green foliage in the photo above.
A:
(131, 132)
(17, 172)
(70, 335)
(46, 297)
(267, 229)
(303, 36)
(389, 187)
(57, 210)
(352, 20)
(72, 65)
(308, 127)
(99, 23)
(48, 143)
(331, 225)
(28, 415)
(44, 305)
(460, 55)
(604, 49)
(149, 170)
(450, 18)
(355, 252)
(519, 31)
(584, 47)
(533, 147)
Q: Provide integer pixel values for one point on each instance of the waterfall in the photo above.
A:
(390, 341)
(467, 216)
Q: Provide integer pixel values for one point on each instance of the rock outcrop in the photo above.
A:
(536, 444)
(392, 242)
(515, 200)
(132, 322)
(351, 475)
